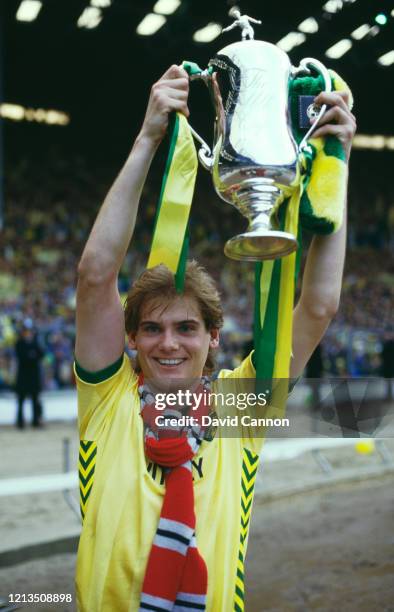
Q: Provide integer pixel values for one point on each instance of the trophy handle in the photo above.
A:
(304, 68)
(195, 73)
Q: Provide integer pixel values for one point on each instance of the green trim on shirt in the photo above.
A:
(100, 375)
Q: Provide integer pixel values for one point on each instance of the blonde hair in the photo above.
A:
(159, 283)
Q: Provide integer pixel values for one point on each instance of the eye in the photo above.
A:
(150, 328)
(186, 327)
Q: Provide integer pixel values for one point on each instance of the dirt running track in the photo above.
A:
(326, 551)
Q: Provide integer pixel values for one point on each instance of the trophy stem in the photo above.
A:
(256, 201)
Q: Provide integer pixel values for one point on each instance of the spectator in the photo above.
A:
(28, 378)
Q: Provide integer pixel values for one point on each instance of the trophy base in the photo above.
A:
(257, 246)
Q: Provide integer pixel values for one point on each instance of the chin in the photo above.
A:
(172, 380)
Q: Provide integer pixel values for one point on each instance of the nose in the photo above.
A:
(169, 341)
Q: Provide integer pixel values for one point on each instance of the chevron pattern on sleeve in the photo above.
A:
(86, 467)
(250, 464)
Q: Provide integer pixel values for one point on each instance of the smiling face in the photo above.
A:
(172, 341)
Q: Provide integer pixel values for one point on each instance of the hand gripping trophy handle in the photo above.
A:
(255, 162)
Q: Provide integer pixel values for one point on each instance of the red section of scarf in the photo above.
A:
(169, 572)
(169, 452)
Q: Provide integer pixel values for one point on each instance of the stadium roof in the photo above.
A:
(101, 75)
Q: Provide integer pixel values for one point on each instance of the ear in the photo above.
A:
(214, 341)
(132, 340)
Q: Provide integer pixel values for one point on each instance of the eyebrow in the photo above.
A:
(147, 322)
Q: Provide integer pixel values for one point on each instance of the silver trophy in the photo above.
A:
(255, 161)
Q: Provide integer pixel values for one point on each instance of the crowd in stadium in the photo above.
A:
(49, 210)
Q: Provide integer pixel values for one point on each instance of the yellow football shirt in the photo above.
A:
(122, 495)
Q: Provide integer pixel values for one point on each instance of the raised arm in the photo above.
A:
(322, 280)
(253, 20)
(231, 26)
(100, 319)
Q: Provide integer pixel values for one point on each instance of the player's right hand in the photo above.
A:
(169, 94)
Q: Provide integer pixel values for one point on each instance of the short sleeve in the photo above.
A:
(98, 394)
(252, 408)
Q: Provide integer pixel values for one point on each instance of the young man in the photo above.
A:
(151, 539)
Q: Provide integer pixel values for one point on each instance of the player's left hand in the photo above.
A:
(338, 120)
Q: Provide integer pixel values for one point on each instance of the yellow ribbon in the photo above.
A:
(176, 198)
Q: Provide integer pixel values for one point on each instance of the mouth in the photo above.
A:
(169, 363)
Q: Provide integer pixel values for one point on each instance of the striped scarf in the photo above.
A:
(176, 576)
